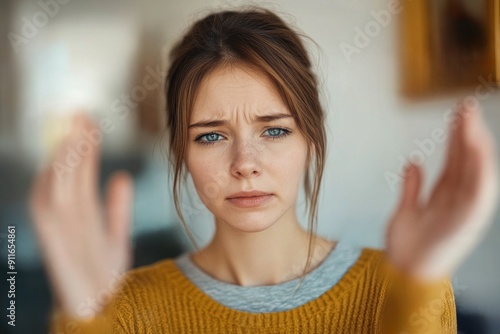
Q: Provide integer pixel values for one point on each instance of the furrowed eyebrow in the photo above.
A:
(258, 119)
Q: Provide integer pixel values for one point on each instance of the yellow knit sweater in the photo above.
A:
(159, 299)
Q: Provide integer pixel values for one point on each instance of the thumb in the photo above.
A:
(119, 199)
(410, 195)
(409, 201)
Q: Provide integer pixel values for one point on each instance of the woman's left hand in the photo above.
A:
(430, 239)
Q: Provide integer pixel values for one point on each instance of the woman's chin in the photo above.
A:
(248, 224)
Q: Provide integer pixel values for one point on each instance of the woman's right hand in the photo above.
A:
(85, 249)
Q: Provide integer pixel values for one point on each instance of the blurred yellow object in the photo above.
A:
(56, 128)
(446, 47)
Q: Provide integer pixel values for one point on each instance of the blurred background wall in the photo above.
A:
(96, 55)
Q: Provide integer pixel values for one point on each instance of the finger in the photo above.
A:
(454, 162)
(92, 137)
(48, 186)
(35, 191)
(480, 164)
(410, 199)
(61, 172)
(119, 199)
(87, 147)
(445, 191)
(37, 196)
(469, 153)
(40, 209)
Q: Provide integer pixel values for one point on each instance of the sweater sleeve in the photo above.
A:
(116, 316)
(412, 306)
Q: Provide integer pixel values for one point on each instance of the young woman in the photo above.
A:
(245, 122)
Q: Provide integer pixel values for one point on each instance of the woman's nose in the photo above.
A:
(245, 161)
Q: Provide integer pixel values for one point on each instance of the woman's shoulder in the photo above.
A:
(374, 254)
(375, 258)
(150, 277)
(158, 267)
(366, 261)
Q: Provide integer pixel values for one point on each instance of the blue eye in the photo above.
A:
(284, 133)
(212, 136)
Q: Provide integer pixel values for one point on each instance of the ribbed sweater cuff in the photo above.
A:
(63, 323)
(412, 305)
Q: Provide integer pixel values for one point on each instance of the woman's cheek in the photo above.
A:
(211, 182)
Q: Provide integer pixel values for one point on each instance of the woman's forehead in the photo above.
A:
(236, 93)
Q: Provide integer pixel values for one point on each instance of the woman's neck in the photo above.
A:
(261, 258)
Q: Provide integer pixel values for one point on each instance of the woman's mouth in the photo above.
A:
(250, 202)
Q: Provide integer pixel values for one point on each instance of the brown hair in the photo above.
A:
(254, 37)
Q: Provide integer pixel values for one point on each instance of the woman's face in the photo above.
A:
(243, 153)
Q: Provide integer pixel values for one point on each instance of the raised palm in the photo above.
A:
(85, 249)
(430, 238)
